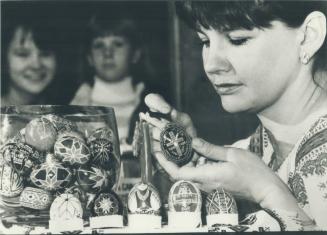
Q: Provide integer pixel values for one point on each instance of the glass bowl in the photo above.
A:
(56, 149)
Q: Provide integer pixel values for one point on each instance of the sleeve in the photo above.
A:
(313, 177)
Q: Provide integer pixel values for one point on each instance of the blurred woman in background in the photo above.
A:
(32, 60)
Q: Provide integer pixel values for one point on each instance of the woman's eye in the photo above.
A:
(22, 53)
(238, 41)
(118, 43)
(205, 43)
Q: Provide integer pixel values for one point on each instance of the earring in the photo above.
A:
(305, 58)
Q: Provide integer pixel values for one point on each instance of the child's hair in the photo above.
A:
(103, 24)
(229, 15)
(48, 35)
(118, 23)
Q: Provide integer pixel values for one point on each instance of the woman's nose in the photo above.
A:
(216, 61)
(36, 61)
(108, 51)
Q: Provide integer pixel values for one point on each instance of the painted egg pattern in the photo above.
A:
(65, 207)
(102, 133)
(106, 204)
(75, 134)
(11, 183)
(71, 150)
(184, 196)
(94, 179)
(51, 175)
(59, 123)
(21, 157)
(220, 202)
(102, 153)
(35, 198)
(144, 199)
(39, 134)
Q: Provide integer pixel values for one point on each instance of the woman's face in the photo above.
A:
(111, 57)
(30, 69)
(251, 69)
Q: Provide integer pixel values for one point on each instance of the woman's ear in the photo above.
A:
(314, 34)
(136, 56)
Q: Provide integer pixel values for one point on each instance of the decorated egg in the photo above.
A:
(176, 144)
(11, 183)
(40, 134)
(19, 137)
(59, 123)
(94, 179)
(102, 133)
(102, 153)
(71, 150)
(21, 157)
(107, 204)
(35, 198)
(184, 196)
(220, 201)
(75, 134)
(66, 207)
(144, 199)
(12, 202)
(51, 175)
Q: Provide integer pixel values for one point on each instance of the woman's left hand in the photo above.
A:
(239, 171)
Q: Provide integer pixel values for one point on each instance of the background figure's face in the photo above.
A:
(111, 57)
(251, 69)
(30, 69)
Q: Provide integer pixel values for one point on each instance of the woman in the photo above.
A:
(267, 57)
(32, 59)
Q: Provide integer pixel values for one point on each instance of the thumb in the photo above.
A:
(157, 104)
(208, 150)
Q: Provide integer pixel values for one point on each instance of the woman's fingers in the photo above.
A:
(177, 173)
(160, 123)
(210, 151)
(157, 104)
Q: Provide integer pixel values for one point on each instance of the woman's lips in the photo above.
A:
(227, 88)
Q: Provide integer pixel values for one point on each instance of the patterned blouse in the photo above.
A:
(304, 171)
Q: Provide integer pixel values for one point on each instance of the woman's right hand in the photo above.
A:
(158, 105)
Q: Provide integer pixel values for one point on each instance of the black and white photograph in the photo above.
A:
(163, 116)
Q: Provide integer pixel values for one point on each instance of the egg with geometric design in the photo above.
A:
(71, 150)
(93, 179)
(11, 183)
(21, 157)
(107, 203)
(184, 196)
(59, 123)
(220, 201)
(102, 133)
(51, 175)
(66, 207)
(102, 153)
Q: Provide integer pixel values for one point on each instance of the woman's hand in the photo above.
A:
(157, 104)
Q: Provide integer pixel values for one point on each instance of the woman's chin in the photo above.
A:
(234, 106)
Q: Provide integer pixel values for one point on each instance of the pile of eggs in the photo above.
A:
(49, 157)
